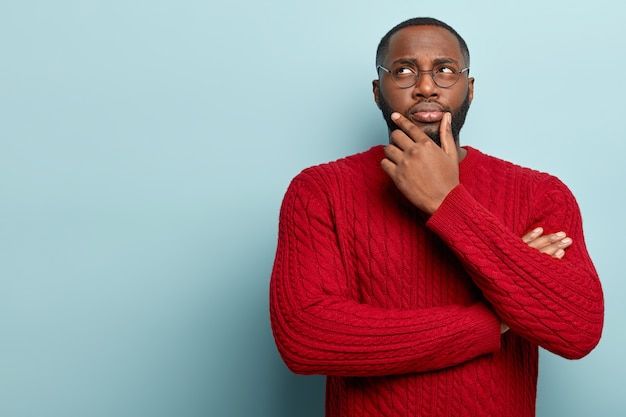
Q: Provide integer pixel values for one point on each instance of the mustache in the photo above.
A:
(431, 105)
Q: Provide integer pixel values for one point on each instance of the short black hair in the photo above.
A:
(383, 46)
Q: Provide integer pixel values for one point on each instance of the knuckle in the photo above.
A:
(412, 151)
(396, 135)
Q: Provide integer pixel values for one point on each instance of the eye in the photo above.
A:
(404, 70)
(446, 69)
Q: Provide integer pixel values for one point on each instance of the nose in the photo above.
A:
(425, 85)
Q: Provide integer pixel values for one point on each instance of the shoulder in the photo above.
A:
(535, 184)
(477, 160)
(324, 187)
(350, 168)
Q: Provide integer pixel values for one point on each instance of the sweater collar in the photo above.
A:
(469, 162)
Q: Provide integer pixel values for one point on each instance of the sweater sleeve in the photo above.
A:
(320, 328)
(555, 303)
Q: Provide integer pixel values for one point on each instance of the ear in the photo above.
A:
(470, 86)
(376, 90)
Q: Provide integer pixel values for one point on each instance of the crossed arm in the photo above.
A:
(320, 328)
(520, 288)
(553, 244)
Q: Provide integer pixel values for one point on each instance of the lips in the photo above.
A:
(426, 112)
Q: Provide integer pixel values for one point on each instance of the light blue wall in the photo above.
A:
(145, 147)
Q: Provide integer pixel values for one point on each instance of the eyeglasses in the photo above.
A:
(405, 76)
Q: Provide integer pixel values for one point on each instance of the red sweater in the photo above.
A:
(402, 312)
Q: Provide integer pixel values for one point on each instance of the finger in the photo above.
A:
(393, 153)
(555, 237)
(558, 239)
(540, 242)
(445, 134)
(555, 249)
(532, 235)
(409, 128)
(535, 240)
(388, 166)
(400, 139)
(546, 241)
(564, 244)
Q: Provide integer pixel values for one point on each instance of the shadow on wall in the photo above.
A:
(247, 377)
(282, 393)
(297, 395)
(288, 394)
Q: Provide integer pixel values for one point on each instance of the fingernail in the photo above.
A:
(566, 241)
(537, 230)
(395, 116)
(560, 234)
(559, 253)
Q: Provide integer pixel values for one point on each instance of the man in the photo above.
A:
(422, 276)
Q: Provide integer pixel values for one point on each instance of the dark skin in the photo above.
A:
(424, 172)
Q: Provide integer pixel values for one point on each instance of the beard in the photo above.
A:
(458, 118)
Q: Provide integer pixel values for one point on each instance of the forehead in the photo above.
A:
(424, 43)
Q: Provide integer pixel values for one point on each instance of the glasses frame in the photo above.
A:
(419, 74)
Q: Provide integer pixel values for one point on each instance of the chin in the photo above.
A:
(432, 132)
(430, 129)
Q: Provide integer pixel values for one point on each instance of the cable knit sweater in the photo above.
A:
(402, 311)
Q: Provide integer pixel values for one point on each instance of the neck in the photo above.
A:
(461, 152)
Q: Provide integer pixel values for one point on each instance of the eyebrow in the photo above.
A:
(437, 61)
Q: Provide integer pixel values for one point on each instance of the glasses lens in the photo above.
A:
(404, 76)
(445, 78)
(405, 82)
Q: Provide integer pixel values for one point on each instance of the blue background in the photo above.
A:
(145, 147)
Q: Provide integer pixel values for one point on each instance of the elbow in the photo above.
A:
(577, 352)
(580, 344)
(589, 337)
(580, 337)
(296, 363)
(584, 346)
(292, 347)
(295, 356)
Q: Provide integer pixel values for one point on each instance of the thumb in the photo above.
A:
(445, 134)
